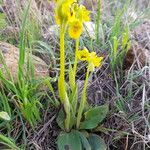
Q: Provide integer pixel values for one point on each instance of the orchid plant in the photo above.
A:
(75, 118)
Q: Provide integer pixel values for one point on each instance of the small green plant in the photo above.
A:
(5, 102)
(24, 90)
(8, 142)
(75, 118)
(3, 22)
(98, 21)
(119, 40)
(23, 94)
(119, 48)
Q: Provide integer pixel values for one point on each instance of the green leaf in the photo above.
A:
(8, 142)
(4, 115)
(94, 116)
(69, 141)
(71, 78)
(47, 48)
(85, 142)
(96, 142)
(60, 119)
(73, 97)
(55, 102)
(3, 22)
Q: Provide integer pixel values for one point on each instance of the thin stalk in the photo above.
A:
(76, 58)
(74, 90)
(83, 99)
(22, 46)
(68, 114)
(62, 84)
(61, 81)
(98, 21)
(62, 52)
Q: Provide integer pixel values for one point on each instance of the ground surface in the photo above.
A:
(128, 94)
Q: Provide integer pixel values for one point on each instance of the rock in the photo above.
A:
(53, 31)
(141, 34)
(136, 54)
(140, 49)
(11, 56)
(13, 10)
(89, 29)
(11, 33)
(39, 12)
(1, 9)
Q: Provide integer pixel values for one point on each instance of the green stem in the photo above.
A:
(62, 85)
(83, 100)
(68, 114)
(74, 88)
(73, 78)
(76, 58)
(62, 53)
(61, 80)
(98, 21)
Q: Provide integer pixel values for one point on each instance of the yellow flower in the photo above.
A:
(79, 15)
(64, 11)
(75, 29)
(83, 14)
(83, 54)
(94, 61)
(91, 58)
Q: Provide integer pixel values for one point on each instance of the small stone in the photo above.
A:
(89, 29)
(136, 54)
(11, 57)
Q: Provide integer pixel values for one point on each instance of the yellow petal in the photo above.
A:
(83, 14)
(63, 11)
(83, 54)
(97, 61)
(75, 29)
(91, 58)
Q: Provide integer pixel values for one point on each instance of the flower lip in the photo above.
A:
(75, 29)
(83, 54)
(63, 11)
(91, 58)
